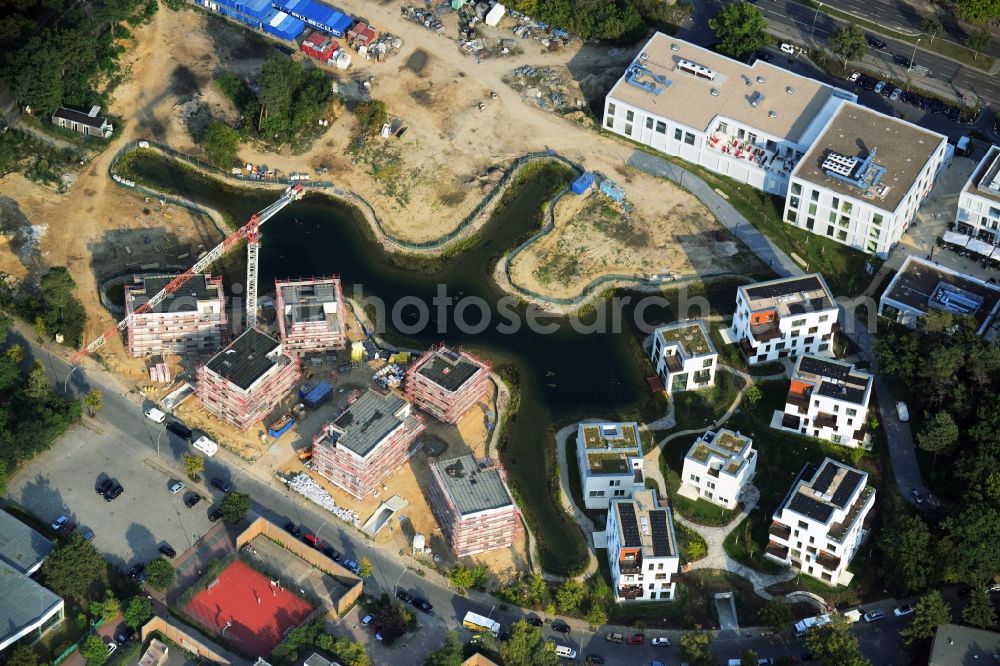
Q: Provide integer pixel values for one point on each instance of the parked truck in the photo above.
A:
(803, 627)
(477, 622)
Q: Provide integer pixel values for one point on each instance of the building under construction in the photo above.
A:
(245, 381)
(472, 504)
(311, 315)
(190, 320)
(446, 383)
(367, 442)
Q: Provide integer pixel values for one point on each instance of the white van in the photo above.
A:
(205, 445)
(565, 652)
(153, 414)
(902, 411)
(788, 48)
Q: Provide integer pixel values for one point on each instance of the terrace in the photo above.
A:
(780, 530)
(777, 551)
(828, 561)
(729, 442)
(798, 400)
(824, 420)
(629, 591)
(609, 437)
(839, 530)
(630, 564)
(766, 332)
(607, 463)
(691, 338)
(764, 157)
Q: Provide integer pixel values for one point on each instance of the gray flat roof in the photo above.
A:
(472, 489)
(449, 369)
(903, 150)
(245, 360)
(918, 280)
(79, 116)
(367, 422)
(837, 380)
(23, 602)
(21, 546)
(986, 173)
(964, 646)
(304, 300)
(198, 288)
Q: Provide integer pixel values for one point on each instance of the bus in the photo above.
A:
(477, 622)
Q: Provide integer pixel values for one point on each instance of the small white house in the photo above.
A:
(610, 460)
(719, 467)
(684, 356)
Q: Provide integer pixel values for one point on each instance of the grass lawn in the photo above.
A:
(700, 409)
(576, 484)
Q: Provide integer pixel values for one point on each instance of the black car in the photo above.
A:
(224, 486)
(595, 659)
(112, 493)
(191, 500)
(214, 515)
(332, 553)
(294, 530)
(562, 627)
(404, 596)
(179, 429)
(901, 60)
(422, 604)
(167, 550)
(136, 570)
(876, 43)
(104, 486)
(535, 621)
(124, 635)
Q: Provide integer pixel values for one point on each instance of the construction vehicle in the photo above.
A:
(249, 232)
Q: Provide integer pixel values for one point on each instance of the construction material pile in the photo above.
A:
(304, 485)
(547, 87)
(390, 376)
(424, 17)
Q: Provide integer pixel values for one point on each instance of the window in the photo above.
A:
(842, 235)
(833, 216)
(836, 202)
(751, 137)
(609, 122)
(711, 484)
(678, 133)
(814, 195)
(650, 567)
(812, 540)
(813, 329)
(823, 347)
(707, 363)
(796, 188)
(831, 547)
(827, 577)
(810, 223)
(877, 219)
(689, 138)
(829, 231)
(649, 123)
(823, 318)
(597, 493)
(798, 322)
(629, 116)
(619, 493)
(847, 207)
(723, 127)
(662, 576)
(615, 482)
(791, 216)
(793, 202)
(808, 341)
(628, 129)
(611, 109)
(660, 566)
(852, 412)
(741, 133)
(803, 524)
(812, 209)
(661, 127)
(796, 533)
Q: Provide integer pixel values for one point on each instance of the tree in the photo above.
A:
(775, 614)
(833, 644)
(392, 620)
(570, 595)
(220, 143)
(740, 29)
(350, 653)
(73, 567)
(41, 330)
(537, 589)
(848, 42)
(15, 353)
(193, 465)
(527, 647)
(961, 550)
(748, 658)
(106, 608)
(23, 655)
(978, 11)
(979, 41)
(235, 507)
(979, 612)
(465, 578)
(94, 650)
(908, 564)
(3, 476)
(94, 401)
(159, 574)
(38, 383)
(372, 114)
(939, 434)
(929, 612)
(449, 654)
(752, 395)
(597, 616)
(932, 27)
(696, 647)
(138, 612)
(365, 568)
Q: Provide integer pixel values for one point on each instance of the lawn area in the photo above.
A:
(700, 409)
(576, 483)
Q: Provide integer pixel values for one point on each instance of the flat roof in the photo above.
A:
(309, 300)
(472, 487)
(368, 421)
(448, 369)
(818, 492)
(692, 336)
(644, 524)
(791, 295)
(198, 288)
(607, 447)
(731, 447)
(923, 285)
(955, 645)
(854, 131)
(23, 602)
(21, 546)
(986, 175)
(246, 358)
(833, 379)
(689, 99)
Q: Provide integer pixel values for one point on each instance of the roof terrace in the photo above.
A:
(610, 435)
(692, 337)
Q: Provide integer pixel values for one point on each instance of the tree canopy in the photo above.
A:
(235, 507)
(848, 42)
(979, 612)
(527, 647)
(600, 19)
(220, 143)
(908, 563)
(929, 612)
(73, 567)
(833, 644)
(696, 648)
(978, 11)
(138, 611)
(449, 654)
(159, 574)
(740, 29)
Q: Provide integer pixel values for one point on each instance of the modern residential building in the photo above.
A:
(21, 547)
(191, 320)
(752, 123)
(472, 504)
(642, 548)
(784, 318)
(367, 442)
(819, 526)
(311, 315)
(27, 610)
(955, 645)
(610, 460)
(446, 383)
(684, 356)
(921, 286)
(827, 399)
(979, 203)
(719, 467)
(87, 124)
(246, 380)
(864, 178)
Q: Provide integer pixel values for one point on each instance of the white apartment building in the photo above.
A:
(642, 548)
(751, 123)
(819, 526)
(610, 460)
(684, 356)
(827, 399)
(784, 318)
(719, 467)
(864, 178)
(979, 203)
(921, 286)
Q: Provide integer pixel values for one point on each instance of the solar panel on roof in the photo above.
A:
(819, 366)
(840, 164)
(630, 528)
(783, 288)
(807, 506)
(661, 535)
(825, 478)
(846, 488)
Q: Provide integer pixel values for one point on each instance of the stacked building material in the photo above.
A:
(304, 485)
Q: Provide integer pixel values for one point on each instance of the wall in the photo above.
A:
(189, 640)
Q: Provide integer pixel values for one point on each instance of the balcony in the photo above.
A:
(828, 561)
(765, 332)
(798, 400)
(791, 421)
(780, 530)
(752, 154)
(629, 591)
(824, 420)
(702, 377)
(630, 567)
(673, 363)
(777, 551)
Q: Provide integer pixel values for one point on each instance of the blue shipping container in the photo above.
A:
(317, 394)
(317, 15)
(284, 26)
(281, 431)
(613, 191)
(583, 183)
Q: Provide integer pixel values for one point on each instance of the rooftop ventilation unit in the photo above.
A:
(756, 98)
(715, 92)
(675, 47)
(772, 114)
(790, 90)
(863, 174)
(954, 299)
(698, 70)
(760, 79)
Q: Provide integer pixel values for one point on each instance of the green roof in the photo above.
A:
(690, 336)
(594, 438)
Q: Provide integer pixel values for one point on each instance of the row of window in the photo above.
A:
(600, 493)
(651, 124)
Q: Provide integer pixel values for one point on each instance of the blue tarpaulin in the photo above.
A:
(314, 395)
(583, 183)
(257, 9)
(317, 15)
(284, 26)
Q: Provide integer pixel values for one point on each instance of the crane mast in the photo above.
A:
(249, 232)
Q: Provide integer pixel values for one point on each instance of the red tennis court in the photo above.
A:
(245, 609)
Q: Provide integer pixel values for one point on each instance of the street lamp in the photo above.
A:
(812, 32)
(914, 53)
(395, 587)
(66, 381)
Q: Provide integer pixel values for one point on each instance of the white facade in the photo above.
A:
(784, 318)
(829, 400)
(719, 467)
(869, 203)
(751, 123)
(979, 203)
(819, 526)
(610, 460)
(684, 356)
(642, 549)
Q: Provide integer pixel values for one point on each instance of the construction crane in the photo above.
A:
(249, 232)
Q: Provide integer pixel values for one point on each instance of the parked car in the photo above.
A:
(168, 551)
(901, 60)
(332, 553)
(124, 635)
(404, 596)
(876, 43)
(902, 411)
(104, 486)
(214, 515)
(224, 486)
(613, 637)
(879, 87)
(535, 621)
(854, 76)
(192, 500)
(894, 95)
(115, 492)
(352, 566)
(313, 540)
(176, 487)
(367, 619)
(765, 56)
(112, 646)
(660, 640)
(561, 627)
(136, 570)
(595, 658)
(637, 639)
(565, 652)
(155, 415)
(874, 615)
(88, 534)
(59, 522)
(917, 496)
(293, 529)
(180, 430)
(422, 604)
(905, 609)
(994, 587)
